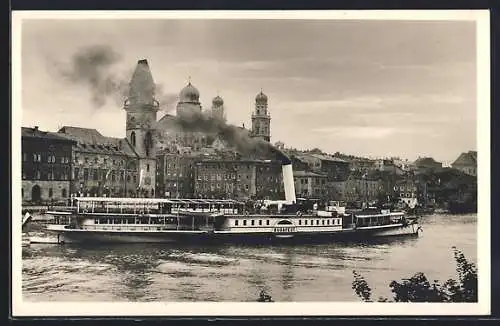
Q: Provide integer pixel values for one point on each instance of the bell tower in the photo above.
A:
(142, 107)
(261, 119)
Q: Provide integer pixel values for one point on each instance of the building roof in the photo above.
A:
(469, 158)
(243, 161)
(306, 174)
(324, 157)
(36, 133)
(422, 161)
(92, 141)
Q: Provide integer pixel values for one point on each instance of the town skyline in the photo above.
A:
(381, 100)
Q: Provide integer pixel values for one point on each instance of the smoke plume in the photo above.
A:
(94, 68)
(91, 67)
(234, 136)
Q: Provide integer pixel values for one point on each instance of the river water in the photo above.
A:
(320, 272)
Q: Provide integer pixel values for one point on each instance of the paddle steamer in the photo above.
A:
(95, 220)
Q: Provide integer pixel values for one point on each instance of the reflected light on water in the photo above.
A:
(319, 272)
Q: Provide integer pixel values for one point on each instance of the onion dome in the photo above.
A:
(189, 94)
(261, 97)
(217, 101)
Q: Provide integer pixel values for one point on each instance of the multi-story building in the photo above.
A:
(46, 166)
(239, 179)
(102, 166)
(467, 163)
(269, 180)
(175, 174)
(407, 192)
(310, 185)
(357, 187)
(362, 165)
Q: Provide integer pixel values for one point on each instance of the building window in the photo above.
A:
(63, 193)
(135, 178)
(86, 160)
(132, 138)
(96, 174)
(147, 167)
(50, 192)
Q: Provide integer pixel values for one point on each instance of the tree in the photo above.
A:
(418, 288)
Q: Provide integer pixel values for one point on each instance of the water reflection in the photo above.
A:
(315, 272)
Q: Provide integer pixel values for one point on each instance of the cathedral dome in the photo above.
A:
(189, 94)
(261, 97)
(217, 101)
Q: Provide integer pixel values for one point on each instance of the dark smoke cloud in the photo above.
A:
(234, 136)
(167, 100)
(93, 68)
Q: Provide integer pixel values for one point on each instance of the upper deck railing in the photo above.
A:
(155, 205)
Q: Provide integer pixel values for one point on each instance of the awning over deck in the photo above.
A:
(158, 200)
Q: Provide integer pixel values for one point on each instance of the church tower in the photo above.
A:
(189, 100)
(261, 120)
(141, 107)
(217, 110)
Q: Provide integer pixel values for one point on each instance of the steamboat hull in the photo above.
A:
(206, 237)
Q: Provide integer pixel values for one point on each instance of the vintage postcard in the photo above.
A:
(251, 163)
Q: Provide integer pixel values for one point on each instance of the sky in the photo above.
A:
(367, 88)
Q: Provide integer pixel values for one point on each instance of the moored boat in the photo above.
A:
(146, 220)
(95, 220)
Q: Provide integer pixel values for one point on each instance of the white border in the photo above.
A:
(20, 308)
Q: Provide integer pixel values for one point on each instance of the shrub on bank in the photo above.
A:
(419, 289)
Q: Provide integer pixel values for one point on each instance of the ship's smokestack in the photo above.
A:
(288, 182)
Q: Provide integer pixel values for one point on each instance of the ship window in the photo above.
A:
(267, 222)
(244, 222)
(323, 222)
(300, 222)
(253, 222)
(317, 222)
(96, 221)
(260, 222)
(236, 222)
(305, 222)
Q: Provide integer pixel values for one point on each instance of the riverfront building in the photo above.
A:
(46, 166)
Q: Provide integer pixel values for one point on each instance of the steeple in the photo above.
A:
(142, 86)
(261, 120)
(141, 108)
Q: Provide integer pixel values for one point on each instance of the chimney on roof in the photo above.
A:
(36, 128)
